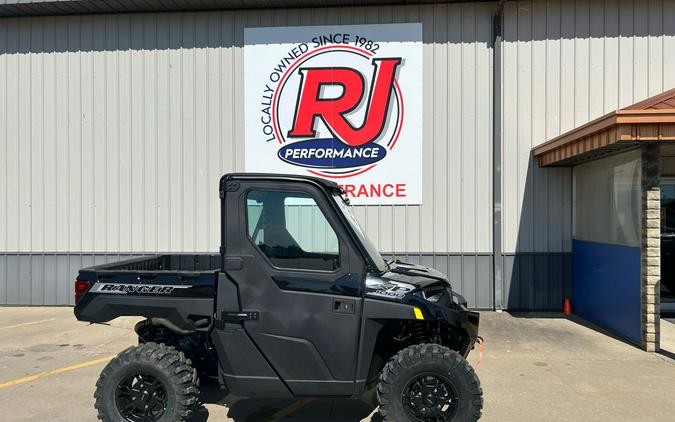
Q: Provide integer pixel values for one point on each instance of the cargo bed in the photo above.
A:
(179, 288)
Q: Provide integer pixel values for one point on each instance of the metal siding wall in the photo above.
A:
(45, 278)
(148, 109)
(565, 64)
(116, 129)
(533, 100)
(456, 215)
(536, 281)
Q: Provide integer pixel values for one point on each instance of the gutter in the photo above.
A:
(498, 262)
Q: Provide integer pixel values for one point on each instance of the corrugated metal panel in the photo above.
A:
(118, 127)
(566, 63)
(45, 279)
(536, 281)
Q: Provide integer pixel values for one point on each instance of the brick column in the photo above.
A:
(651, 246)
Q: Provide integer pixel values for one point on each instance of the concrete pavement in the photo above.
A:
(536, 367)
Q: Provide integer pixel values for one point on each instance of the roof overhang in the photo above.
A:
(648, 121)
(9, 8)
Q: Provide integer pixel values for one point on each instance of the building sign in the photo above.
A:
(339, 102)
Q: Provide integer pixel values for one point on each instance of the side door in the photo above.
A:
(301, 275)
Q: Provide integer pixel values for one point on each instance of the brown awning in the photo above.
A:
(650, 120)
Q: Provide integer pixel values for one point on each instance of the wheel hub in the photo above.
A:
(141, 398)
(430, 398)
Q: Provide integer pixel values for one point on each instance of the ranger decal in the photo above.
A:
(123, 289)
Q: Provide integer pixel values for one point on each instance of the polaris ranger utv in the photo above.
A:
(298, 303)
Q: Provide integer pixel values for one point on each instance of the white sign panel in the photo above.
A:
(339, 102)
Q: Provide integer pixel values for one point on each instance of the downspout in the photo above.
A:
(498, 261)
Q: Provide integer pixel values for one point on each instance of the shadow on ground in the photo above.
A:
(668, 336)
(261, 410)
(269, 410)
(575, 319)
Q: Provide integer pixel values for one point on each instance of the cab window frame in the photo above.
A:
(342, 266)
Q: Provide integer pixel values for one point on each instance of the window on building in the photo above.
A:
(668, 209)
(292, 231)
(667, 244)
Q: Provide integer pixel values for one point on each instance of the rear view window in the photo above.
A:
(292, 231)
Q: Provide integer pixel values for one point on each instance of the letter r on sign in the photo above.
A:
(333, 110)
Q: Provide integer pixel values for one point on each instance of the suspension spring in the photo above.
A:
(418, 333)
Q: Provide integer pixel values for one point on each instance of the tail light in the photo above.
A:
(81, 288)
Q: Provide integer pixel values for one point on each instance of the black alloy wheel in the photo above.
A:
(147, 383)
(141, 398)
(429, 383)
(430, 398)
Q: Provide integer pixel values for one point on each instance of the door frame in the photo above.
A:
(275, 337)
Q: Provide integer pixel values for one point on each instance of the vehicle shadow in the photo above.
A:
(303, 410)
(288, 410)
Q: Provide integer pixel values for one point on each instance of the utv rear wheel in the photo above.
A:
(147, 383)
(429, 383)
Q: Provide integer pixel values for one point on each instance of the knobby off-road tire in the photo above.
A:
(429, 383)
(154, 375)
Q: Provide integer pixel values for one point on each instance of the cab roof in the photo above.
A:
(323, 183)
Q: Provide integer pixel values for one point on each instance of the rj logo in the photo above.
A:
(334, 111)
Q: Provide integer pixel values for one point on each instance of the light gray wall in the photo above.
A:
(45, 278)
(116, 129)
(565, 64)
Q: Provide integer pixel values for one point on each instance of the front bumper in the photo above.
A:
(468, 321)
(471, 321)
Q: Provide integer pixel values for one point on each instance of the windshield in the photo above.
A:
(370, 248)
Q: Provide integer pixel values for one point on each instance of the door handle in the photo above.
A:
(341, 306)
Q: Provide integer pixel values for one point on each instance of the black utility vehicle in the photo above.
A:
(297, 303)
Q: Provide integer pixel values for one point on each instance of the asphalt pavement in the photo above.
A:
(535, 368)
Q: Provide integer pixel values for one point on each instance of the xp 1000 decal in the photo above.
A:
(340, 102)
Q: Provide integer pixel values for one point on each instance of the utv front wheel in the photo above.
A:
(147, 383)
(429, 383)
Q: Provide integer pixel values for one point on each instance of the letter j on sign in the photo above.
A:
(340, 102)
